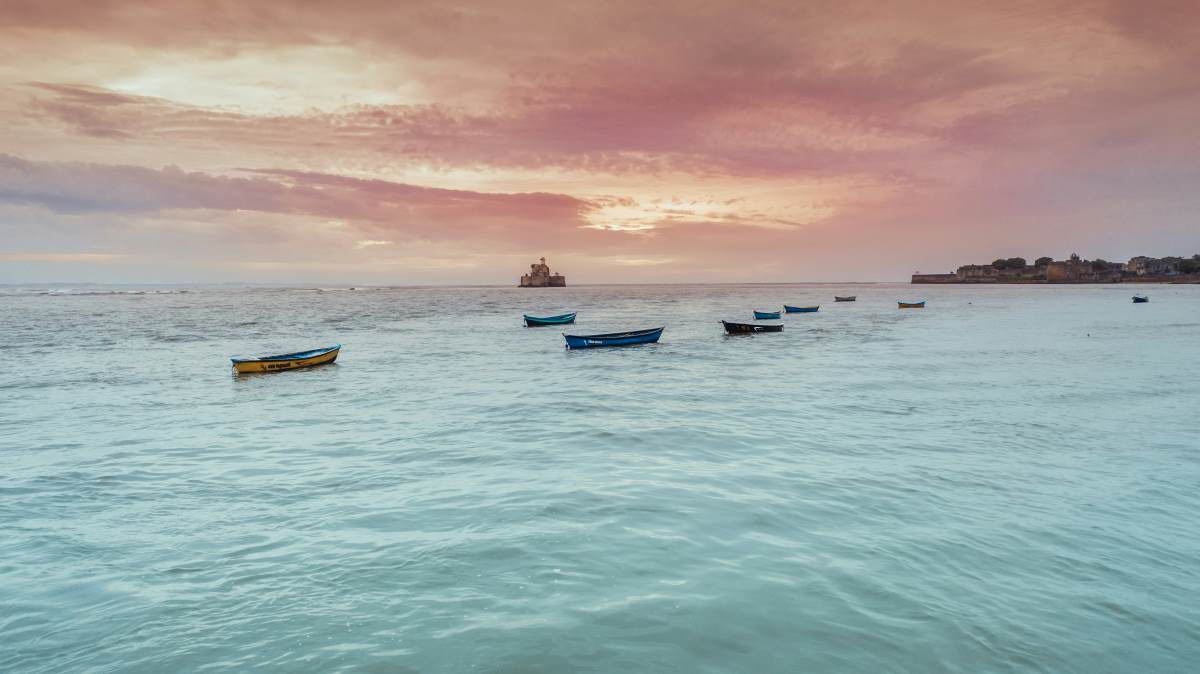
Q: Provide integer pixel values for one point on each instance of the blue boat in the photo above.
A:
(1140, 299)
(800, 310)
(541, 321)
(765, 315)
(614, 338)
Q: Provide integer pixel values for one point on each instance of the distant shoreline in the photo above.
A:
(1073, 270)
(953, 279)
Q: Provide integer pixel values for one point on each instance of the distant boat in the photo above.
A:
(912, 305)
(540, 321)
(800, 310)
(749, 328)
(287, 361)
(614, 338)
(765, 315)
(851, 298)
(1140, 299)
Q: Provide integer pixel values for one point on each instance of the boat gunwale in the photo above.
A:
(752, 327)
(619, 335)
(299, 355)
(560, 317)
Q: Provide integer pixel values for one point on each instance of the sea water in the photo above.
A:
(1005, 481)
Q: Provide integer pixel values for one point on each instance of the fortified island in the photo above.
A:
(539, 276)
(1140, 269)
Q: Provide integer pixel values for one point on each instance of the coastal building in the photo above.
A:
(977, 273)
(539, 276)
(1138, 266)
(1153, 266)
(935, 278)
(1075, 270)
(984, 273)
(1065, 271)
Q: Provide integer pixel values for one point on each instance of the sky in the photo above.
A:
(440, 142)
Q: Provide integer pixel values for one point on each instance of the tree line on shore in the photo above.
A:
(1183, 265)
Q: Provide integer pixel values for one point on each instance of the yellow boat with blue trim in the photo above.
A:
(287, 361)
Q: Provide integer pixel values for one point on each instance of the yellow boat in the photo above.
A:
(287, 361)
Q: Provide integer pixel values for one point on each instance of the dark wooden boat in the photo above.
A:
(1140, 299)
(912, 305)
(765, 315)
(542, 321)
(850, 298)
(751, 328)
(800, 310)
(614, 338)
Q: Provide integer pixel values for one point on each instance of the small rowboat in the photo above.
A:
(765, 315)
(540, 321)
(912, 305)
(614, 339)
(287, 361)
(800, 310)
(1140, 299)
(851, 298)
(750, 328)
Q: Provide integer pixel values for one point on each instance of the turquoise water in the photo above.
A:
(1006, 481)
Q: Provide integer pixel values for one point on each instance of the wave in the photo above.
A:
(79, 292)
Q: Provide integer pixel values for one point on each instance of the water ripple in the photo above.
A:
(1003, 482)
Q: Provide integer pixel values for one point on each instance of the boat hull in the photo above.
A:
(1137, 299)
(852, 298)
(912, 305)
(750, 328)
(800, 310)
(614, 339)
(543, 321)
(766, 315)
(286, 362)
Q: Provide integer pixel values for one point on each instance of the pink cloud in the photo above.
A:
(418, 212)
(788, 134)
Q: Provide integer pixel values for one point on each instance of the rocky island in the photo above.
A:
(539, 276)
(1139, 269)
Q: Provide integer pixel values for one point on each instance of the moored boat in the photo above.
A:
(287, 361)
(750, 328)
(765, 315)
(614, 338)
(912, 305)
(540, 321)
(849, 298)
(1140, 299)
(800, 310)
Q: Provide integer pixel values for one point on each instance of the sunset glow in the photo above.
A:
(434, 142)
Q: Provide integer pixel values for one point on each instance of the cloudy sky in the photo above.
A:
(405, 141)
